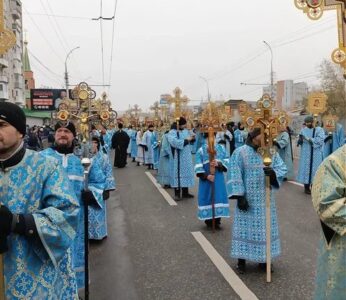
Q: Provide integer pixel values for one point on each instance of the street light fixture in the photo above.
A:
(206, 81)
(66, 73)
(271, 70)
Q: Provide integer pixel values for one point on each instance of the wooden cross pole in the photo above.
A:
(211, 121)
(314, 10)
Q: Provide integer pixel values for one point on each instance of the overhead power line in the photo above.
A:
(59, 16)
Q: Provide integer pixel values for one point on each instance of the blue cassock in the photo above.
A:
(147, 140)
(205, 187)
(156, 149)
(285, 151)
(74, 169)
(134, 147)
(97, 213)
(239, 138)
(226, 142)
(39, 186)
(185, 159)
(317, 135)
(246, 178)
(337, 141)
(107, 138)
(163, 174)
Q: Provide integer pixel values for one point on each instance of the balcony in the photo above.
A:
(3, 62)
(18, 85)
(3, 92)
(16, 9)
(3, 79)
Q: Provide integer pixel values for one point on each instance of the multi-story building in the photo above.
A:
(287, 94)
(11, 68)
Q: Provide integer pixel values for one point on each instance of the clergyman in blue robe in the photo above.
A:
(328, 197)
(39, 216)
(246, 183)
(334, 140)
(206, 190)
(311, 140)
(284, 147)
(163, 173)
(62, 151)
(181, 166)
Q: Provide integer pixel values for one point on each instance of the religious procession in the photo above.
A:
(172, 190)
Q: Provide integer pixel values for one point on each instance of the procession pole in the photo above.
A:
(86, 164)
(2, 278)
(211, 151)
(267, 162)
(178, 158)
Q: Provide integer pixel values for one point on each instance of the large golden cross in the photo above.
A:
(178, 101)
(7, 37)
(314, 10)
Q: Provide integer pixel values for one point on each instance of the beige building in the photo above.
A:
(11, 68)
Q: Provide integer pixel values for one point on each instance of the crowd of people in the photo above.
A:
(44, 192)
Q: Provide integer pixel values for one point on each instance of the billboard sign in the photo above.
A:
(46, 99)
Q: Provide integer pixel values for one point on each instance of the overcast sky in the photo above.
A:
(161, 44)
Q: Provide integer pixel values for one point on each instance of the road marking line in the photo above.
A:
(231, 277)
(165, 195)
(296, 183)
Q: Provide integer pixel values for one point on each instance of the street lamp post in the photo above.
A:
(66, 73)
(206, 81)
(271, 70)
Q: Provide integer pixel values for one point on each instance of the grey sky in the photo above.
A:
(161, 44)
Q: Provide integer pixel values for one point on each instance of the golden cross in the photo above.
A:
(7, 37)
(314, 10)
(178, 100)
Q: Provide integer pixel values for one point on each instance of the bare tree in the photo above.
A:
(334, 85)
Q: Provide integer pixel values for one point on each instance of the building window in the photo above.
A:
(1, 87)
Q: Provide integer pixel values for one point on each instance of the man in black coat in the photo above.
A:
(120, 142)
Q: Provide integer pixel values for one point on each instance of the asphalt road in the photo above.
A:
(150, 252)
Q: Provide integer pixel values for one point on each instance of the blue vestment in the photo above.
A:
(338, 140)
(317, 137)
(239, 137)
(221, 204)
(163, 174)
(38, 186)
(147, 140)
(183, 151)
(246, 178)
(156, 149)
(285, 151)
(134, 147)
(328, 197)
(97, 213)
(74, 169)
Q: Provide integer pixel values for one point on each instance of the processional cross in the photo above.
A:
(269, 121)
(136, 110)
(178, 101)
(314, 10)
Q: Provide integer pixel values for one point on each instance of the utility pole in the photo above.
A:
(66, 73)
(207, 82)
(271, 71)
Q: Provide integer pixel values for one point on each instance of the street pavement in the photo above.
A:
(150, 252)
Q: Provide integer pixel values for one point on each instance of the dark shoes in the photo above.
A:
(307, 189)
(186, 193)
(209, 223)
(241, 266)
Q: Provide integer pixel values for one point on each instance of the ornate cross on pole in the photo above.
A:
(314, 10)
(178, 101)
(136, 110)
(269, 122)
